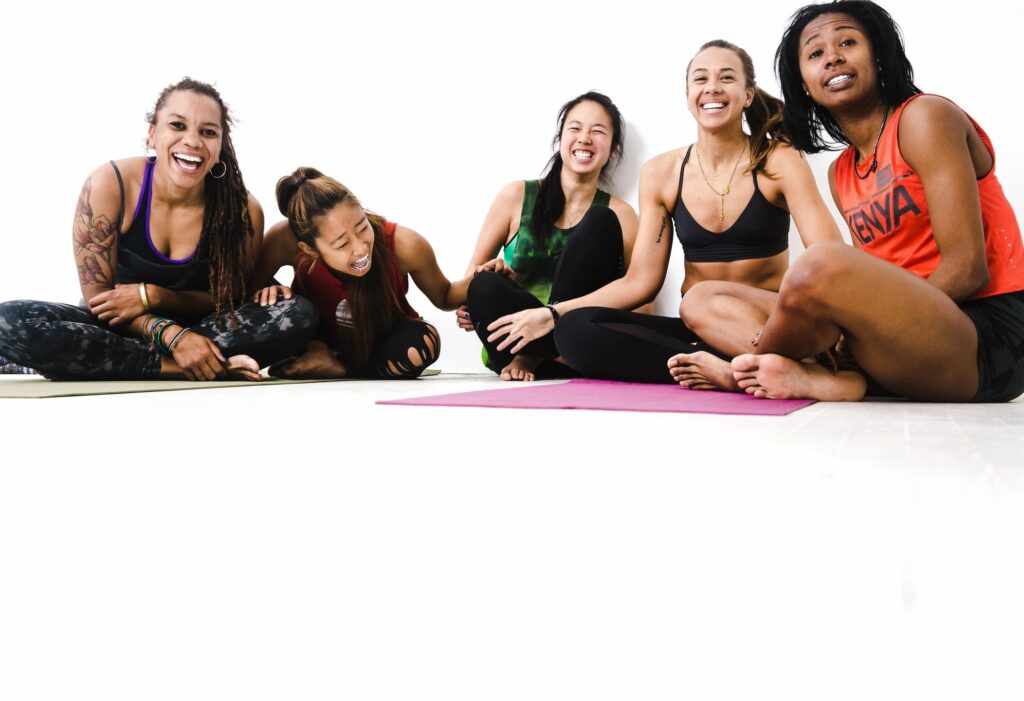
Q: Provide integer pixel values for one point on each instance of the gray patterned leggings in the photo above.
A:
(61, 340)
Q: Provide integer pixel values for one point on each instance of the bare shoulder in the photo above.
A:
(411, 248)
(930, 118)
(510, 197)
(280, 229)
(131, 169)
(784, 157)
(255, 214)
(101, 193)
(254, 205)
(663, 164)
(659, 178)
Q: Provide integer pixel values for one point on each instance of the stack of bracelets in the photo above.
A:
(153, 331)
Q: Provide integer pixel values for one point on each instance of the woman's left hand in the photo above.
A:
(119, 305)
(269, 294)
(521, 328)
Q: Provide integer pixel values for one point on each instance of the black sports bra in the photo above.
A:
(761, 231)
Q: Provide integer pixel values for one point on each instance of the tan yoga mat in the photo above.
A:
(34, 387)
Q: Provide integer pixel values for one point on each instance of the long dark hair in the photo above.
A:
(304, 197)
(551, 197)
(764, 116)
(226, 207)
(803, 119)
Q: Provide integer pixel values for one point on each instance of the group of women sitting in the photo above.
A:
(928, 304)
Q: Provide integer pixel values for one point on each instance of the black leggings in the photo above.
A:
(61, 340)
(612, 344)
(403, 353)
(592, 258)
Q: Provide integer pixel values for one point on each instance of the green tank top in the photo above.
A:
(534, 266)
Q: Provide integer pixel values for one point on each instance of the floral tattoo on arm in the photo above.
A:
(94, 240)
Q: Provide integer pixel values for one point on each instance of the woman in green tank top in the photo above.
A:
(531, 223)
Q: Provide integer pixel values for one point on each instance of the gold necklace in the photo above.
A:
(723, 193)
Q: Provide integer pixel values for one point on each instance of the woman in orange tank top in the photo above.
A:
(928, 304)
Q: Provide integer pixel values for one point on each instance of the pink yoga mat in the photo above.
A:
(613, 396)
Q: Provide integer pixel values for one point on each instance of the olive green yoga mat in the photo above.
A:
(30, 387)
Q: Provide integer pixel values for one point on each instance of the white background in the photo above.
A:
(301, 542)
(424, 110)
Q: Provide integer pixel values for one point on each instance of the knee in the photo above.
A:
(296, 316)
(814, 275)
(484, 287)
(703, 302)
(418, 357)
(14, 314)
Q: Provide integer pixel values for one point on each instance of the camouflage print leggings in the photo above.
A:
(61, 340)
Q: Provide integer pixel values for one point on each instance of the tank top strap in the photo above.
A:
(120, 188)
(530, 191)
(147, 184)
(682, 168)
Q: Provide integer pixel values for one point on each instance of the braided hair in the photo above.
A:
(226, 213)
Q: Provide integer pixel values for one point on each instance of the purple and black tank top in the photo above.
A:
(137, 257)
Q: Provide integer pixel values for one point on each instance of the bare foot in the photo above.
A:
(776, 377)
(702, 370)
(520, 369)
(317, 363)
(242, 367)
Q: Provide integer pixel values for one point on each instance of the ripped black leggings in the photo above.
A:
(403, 353)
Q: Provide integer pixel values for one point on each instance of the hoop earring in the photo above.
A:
(222, 172)
(149, 154)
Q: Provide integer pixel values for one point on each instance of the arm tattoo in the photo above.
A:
(661, 231)
(94, 240)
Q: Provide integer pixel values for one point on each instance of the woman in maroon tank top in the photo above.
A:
(354, 266)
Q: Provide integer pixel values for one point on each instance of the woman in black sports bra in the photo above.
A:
(730, 197)
(164, 246)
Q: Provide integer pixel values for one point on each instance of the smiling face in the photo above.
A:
(187, 134)
(344, 240)
(837, 62)
(717, 88)
(586, 140)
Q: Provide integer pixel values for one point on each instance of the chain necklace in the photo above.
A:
(874, 152)
(723, 193)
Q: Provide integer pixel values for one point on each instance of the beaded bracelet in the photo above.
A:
(154, 333)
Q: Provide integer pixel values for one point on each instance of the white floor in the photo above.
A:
(301, 542)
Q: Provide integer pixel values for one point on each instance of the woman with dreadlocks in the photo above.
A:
(354, 266)
(161, 282)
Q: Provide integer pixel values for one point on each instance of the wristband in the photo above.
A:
(554, 312)
(177, 337)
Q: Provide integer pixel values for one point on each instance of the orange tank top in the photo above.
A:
(888, 215)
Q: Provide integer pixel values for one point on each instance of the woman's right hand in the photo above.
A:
(198, 357)
(496, 265)
(268, 295)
